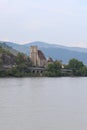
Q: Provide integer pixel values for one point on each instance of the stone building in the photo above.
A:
(37, 57)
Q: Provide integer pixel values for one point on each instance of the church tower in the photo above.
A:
(33, 54)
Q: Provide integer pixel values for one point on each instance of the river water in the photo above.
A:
(43, 104)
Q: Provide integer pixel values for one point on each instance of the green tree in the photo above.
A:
(76, 66)
(20, 58)
(54, 69)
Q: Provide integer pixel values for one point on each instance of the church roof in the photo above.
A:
(41, 55)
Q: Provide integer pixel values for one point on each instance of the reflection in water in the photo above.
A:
(43, 103)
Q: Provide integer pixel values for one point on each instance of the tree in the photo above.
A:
(54, 69)
(20, 58)
(76, 66)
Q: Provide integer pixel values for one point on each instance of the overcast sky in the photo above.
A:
(54, 21)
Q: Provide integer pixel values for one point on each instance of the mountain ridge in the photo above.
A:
(8, 48)
(57, 52)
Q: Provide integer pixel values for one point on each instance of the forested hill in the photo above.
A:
(20, 66)
(57, 52)
(6, 47)
(7, 57)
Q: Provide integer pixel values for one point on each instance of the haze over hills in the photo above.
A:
(57, 52)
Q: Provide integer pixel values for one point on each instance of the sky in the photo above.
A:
(61, 22)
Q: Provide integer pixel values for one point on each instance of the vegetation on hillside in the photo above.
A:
(11, 65)
(8, 48)
(18, 66)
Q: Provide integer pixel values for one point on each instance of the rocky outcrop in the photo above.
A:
(8, 48)
(8, 59)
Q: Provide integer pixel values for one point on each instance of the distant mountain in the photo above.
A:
(47, 45)
(57, 52)
(18, 47)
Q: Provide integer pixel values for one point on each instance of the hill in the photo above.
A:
(57, 52)
(7, 59)
(8, 48)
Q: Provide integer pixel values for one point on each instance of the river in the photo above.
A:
(43, 103)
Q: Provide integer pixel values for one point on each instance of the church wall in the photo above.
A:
(33, 54)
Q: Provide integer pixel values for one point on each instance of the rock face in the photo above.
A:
(8, 59)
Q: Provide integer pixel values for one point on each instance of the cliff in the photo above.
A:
(7, 59)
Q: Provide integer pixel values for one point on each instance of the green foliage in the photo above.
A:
(4, 51)
(23, 60)
(22, 64)
(1, 62)
(83, 71)
(54, 66)
(78, 68)
(75, 64)
(20, 58)
(54, 69)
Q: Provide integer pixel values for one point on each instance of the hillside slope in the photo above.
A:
(57, 52)
(8, 48)
(6, 58)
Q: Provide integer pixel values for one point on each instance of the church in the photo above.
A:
(37, 57)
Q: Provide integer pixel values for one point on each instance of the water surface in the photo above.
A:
(43, 104)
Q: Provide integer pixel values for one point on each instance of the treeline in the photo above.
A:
(55, 69)
(73, 68)
(18, 66)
